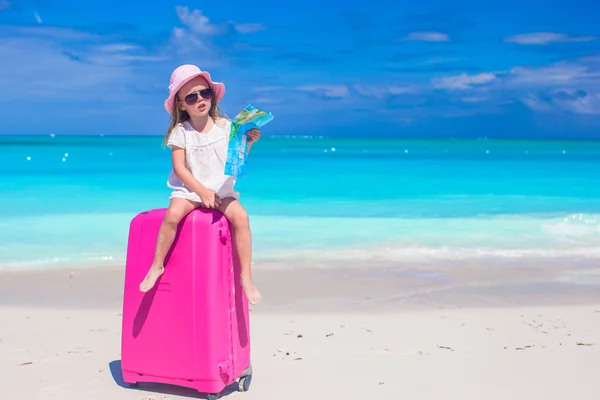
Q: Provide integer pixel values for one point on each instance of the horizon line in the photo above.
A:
(276, 136)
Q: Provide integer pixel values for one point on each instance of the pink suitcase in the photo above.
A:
(192, 329)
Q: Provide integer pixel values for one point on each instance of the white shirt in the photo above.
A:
(205, 156)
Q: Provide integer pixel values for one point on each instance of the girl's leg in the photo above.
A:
(238, 217)
(178, 209)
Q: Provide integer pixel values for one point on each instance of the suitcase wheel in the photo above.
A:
(212, 396)
(133, 385)
(244, 383)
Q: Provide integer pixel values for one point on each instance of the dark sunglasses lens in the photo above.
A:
(191, 99)
(206, 94)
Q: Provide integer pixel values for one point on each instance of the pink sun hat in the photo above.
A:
(182, 75)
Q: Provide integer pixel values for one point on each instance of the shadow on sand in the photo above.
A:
(115, 370)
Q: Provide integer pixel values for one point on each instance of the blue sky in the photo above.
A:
(378, 68)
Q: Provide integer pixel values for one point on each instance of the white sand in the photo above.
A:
(365, 335)
(73, 354)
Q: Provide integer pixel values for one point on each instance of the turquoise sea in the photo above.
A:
(69, 200)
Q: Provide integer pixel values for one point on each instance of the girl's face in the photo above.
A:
(195, 97)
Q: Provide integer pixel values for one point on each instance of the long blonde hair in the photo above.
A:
(180, 115)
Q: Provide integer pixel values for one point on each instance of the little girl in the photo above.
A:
(199, 137)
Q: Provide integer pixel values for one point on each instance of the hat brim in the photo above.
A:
(217, 87)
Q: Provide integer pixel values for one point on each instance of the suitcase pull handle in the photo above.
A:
(222, 237)
(224, 368)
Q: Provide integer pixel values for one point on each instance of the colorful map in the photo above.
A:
(250, 117)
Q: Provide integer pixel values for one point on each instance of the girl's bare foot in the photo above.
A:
(153, 274)
(252, 292)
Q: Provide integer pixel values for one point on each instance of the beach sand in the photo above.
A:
(431, 331)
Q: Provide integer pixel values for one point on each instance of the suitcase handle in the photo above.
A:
(222, 237)
(223, 368)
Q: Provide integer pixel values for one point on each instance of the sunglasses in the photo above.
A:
(193, 98)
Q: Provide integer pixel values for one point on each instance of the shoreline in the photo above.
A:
(337, 287)
(387, 253)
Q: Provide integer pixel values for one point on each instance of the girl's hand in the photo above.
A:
(210, 199)
(253, 135)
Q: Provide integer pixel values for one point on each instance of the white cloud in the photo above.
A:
(473, 99)
(196, 48)
(532, 101)
(332, 91)
(195, 38)
(427, 37)
(559, 73)
(119, 59)
(545, 38)
(575, 101)
(37, 17)
(354, 92)
(118, 47)
(588, 104)
(462, 81)
(40, 67)
(591, 59)
(198, 22)
(79, 46)
(321, 90)
(142, 58)
(49, 32)
(572, 87)
(48, 63)
(249, 28)
(396, 90)
(381, 91)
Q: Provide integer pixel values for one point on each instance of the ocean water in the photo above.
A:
(69, 200)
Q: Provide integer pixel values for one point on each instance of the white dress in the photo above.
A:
(205, 156)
